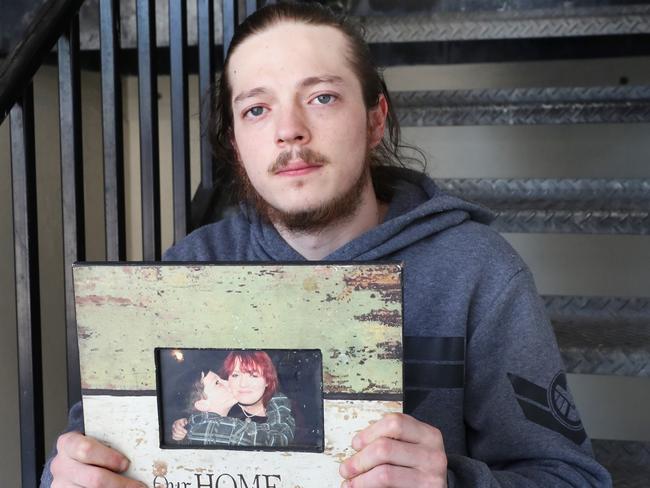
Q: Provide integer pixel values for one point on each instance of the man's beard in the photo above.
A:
(310, 220)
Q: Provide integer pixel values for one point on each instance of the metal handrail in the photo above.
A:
(51, 20)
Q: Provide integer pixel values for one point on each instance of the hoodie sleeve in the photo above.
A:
(522, 426)
(75, 423)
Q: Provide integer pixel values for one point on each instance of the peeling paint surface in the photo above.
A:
(123, 312)
(138, 418)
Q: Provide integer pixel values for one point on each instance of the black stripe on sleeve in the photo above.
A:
(434, 348)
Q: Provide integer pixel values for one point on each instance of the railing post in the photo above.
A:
(205, 12)
(109, 15)
(72, 197)
(149, 157)
(230, 21)
(179, 113)
(28, 320)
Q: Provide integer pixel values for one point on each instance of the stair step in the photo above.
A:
(592, 206)
(576, 308)
(602, 335)
(434, 24)
(602, 349)
(553, 194)
(573, 221)
(524, 106)
(627, 461)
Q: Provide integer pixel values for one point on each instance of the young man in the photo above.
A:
(307, 123)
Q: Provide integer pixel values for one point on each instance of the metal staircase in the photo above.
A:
(597, 335)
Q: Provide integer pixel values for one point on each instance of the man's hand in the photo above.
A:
(394, 452)
(178, 429)
(84, 461)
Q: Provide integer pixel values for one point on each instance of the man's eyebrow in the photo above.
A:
(305, 83)
(315, 80)
(260, 90)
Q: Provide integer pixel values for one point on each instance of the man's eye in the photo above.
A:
(324, 99)
(255, 111)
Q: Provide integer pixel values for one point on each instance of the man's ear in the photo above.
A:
(201, 405)
(377, 121)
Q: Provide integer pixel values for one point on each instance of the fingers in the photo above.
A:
(400, 427)
(87, 450)
(71, 473)
(85, 462)
(387, 476)
(383, 451)
(396, 451)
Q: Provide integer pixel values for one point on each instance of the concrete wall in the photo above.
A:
(612, 407)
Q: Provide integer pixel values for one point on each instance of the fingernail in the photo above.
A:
(124, 465)
(345, 484)
(356, 443)
(343, 470)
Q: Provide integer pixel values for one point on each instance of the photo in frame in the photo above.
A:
(237, 375)
(213, 395)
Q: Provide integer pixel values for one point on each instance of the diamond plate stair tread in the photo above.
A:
(627, 461)
(524, 106)
(597, 309)
(529, 23)
(509, 194)
(602, 335)
(605, 348)
(630, 479)
(587, 206)
(573, 221)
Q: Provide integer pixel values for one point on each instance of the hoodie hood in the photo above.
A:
(417, 210)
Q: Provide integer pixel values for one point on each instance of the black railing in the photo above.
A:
(28, 320)
(72, 195)
(114, 204)
(180, 118)
(24, 60)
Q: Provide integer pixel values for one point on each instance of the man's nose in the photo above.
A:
(292, 127)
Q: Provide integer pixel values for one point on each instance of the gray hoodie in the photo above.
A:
(480, 358)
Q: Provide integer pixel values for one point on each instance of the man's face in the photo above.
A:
(300, 124)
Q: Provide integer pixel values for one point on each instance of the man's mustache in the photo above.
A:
(309, 156)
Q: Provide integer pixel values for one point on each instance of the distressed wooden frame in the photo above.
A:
(351, 312)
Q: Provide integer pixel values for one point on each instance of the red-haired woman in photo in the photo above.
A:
(244, 409)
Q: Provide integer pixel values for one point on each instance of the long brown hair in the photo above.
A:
(387, 154)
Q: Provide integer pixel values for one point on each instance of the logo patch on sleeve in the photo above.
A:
(551, 408)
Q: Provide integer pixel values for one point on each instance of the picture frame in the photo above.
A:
(333, 333)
